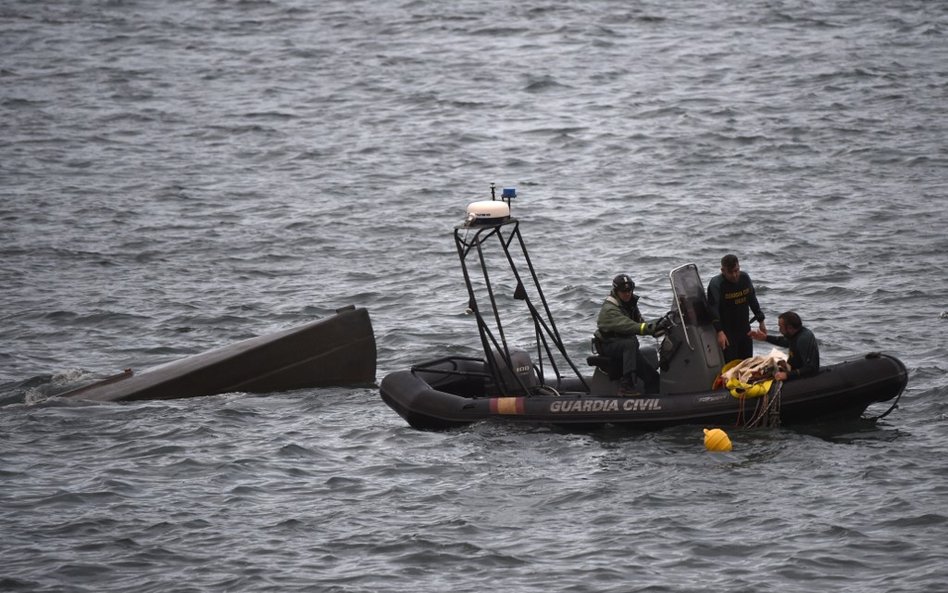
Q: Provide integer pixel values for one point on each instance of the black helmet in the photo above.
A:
(623, 282)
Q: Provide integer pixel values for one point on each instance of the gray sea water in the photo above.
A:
(176, 176)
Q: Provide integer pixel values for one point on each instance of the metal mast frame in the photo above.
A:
(472, 239)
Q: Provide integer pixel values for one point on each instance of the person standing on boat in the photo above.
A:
(731, 297)
(618, 325)
(804, 359)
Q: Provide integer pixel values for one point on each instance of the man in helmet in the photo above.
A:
(619, 323)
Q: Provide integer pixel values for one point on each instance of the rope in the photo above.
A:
(774, 418)
(768, 414)
(894, 405)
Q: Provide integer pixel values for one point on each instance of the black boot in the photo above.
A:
(627, 388)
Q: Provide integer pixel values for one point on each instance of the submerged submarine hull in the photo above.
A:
(338, 350)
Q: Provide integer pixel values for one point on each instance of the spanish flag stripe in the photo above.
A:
(506, 405)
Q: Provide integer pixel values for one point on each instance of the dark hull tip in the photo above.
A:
(336, 351)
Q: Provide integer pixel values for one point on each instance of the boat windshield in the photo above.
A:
(690, 298)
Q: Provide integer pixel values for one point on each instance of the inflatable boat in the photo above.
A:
(337, 350)
(543, 385)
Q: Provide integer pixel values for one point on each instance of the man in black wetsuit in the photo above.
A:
(804, 359)
(731, 297)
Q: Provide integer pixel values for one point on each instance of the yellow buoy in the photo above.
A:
(716, 439)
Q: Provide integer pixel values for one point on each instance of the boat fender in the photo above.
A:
(741, 389)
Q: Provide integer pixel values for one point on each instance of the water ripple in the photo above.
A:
(176, 180)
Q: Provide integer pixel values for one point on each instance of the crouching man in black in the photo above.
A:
(804, 359)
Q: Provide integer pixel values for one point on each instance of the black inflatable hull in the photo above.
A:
(338, 350)
(456, 393)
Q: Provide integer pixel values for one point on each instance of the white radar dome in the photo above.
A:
(487, 212)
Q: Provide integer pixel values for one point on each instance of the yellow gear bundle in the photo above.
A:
(740, 389)
(751, 377)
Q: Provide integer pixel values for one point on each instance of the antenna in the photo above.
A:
(506, 194)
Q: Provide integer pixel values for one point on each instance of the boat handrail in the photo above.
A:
(423, 367)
